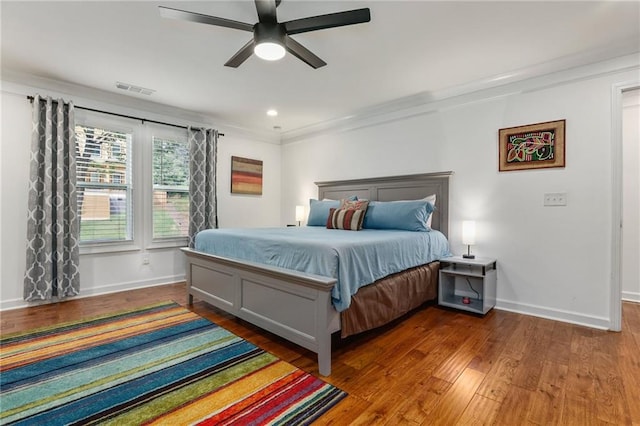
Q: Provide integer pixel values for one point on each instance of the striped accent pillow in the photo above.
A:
(347, 219)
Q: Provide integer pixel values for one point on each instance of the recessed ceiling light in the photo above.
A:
(272, 113)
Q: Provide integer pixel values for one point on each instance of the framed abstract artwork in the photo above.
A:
(534, 146)
(246, 176)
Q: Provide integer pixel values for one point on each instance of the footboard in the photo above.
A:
(293, 305)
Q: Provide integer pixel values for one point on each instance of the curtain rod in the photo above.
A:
(31, 98)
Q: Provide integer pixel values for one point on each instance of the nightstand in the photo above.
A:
(468, 284)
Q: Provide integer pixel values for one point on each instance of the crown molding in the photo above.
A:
(89, 97)
(623, 57)
(561, 71)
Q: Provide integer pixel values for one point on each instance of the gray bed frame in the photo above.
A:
(293, 305)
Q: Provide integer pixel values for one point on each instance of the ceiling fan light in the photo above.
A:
(269, 51)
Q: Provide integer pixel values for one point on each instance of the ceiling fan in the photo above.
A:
(271, 39)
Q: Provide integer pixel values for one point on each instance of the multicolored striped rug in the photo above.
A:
(160, 364)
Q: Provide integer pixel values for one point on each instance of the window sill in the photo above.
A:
(119, 247)
(168, 243)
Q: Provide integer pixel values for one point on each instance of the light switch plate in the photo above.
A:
(555, 199)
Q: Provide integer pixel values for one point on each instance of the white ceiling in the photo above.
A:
(408, 48)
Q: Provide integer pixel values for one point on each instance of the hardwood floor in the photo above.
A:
(437, 366)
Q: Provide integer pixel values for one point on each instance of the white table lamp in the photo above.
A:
(299, 214)
(469, 237)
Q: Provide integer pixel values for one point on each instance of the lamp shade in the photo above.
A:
(269, 51)
(469, 232)
(299, 213)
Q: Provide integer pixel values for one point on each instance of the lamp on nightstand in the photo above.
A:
(469, 237)
(299, 214)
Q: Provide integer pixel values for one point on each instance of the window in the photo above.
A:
(133, 184)
(103, 164)
(170, 188)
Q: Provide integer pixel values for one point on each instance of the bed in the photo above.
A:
(301, 306)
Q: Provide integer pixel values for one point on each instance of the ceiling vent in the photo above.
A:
(135, 89)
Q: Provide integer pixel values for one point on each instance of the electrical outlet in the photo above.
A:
(145, 259)
(555, 199)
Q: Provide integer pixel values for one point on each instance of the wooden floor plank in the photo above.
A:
(345, 412)
(486, 356)
(630, 373)
(527, 374)
(581, 411)
(558, 352)
(580, 378)
(514, 407)
(425, 395)
(610, 401)
(384, 406)
(456, 399)
(436, 366)
(631, 316)
(480, 411)
(453, 366)
(547, 402)
(498, 380)
(516, 346)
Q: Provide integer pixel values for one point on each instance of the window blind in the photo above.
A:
(103, 166)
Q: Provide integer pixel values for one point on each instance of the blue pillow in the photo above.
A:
(403, 215)
(319, 210)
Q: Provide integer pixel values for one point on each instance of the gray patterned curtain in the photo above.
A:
(203, 154)
(52, 223)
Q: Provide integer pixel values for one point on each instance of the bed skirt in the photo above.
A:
(390, 298)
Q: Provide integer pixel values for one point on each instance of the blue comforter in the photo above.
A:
(355, 259)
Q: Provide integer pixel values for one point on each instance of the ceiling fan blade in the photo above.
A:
(241, 55)
(266, 10)
(167, 12)
(331, 20)
(302, 53)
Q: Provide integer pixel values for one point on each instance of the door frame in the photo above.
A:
(615, 303)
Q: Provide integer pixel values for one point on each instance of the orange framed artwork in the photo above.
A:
(246, 176)
(534, 146)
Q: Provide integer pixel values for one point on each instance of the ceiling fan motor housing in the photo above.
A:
(269, 32)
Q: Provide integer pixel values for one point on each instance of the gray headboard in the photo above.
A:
(393, 188)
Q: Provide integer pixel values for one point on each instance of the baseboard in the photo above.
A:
(554, 314)
(631, 296)
(504, 305)
(97, 291)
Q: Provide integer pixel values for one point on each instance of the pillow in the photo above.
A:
(354, 204)
(349, 216)
(319, 210)
(347, 219)
(430, 199)
(403, 215)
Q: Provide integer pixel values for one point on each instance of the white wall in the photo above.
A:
(242, 211)
(630, 274)
(14, 175)
(108, 272)
(552, 261)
